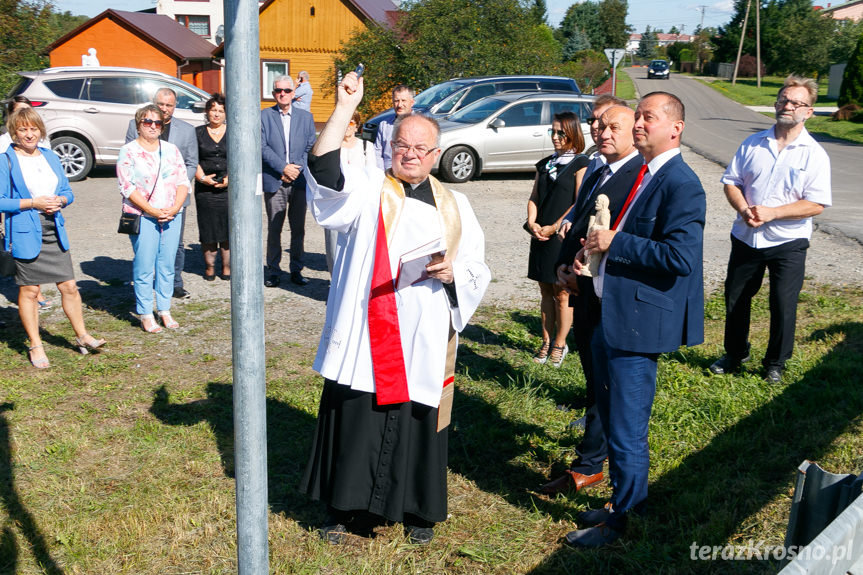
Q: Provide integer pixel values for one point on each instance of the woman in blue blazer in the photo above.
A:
(33, 190)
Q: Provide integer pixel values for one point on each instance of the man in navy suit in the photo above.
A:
(617, 172)
(181, 134)
(651, 299)
(287, 135)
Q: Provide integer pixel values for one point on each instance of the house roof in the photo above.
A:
(662, 37)
(834, 7)
(377, 10)
(158, 29)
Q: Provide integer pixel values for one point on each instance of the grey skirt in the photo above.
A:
(51, 266)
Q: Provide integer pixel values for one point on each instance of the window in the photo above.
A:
(270, 70)
(114, 90)
(200, 25)
(185, 98)
(581, 109)
(477, 93)
(527, 114)
(516, 86)
(66, 88)
(559, 85)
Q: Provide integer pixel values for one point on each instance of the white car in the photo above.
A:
(86, 110)
(507, 132)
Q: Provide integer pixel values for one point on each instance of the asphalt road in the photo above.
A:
(716, 126)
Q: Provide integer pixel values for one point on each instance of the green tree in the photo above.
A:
(851, 91)
(674, 30)
(844, 40)
(612, 20)
(539, 12)
(576, 43)
(479, 38)
(585, 18)
(647, 44)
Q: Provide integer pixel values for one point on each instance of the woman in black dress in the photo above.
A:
(557, 179)
(211, 192)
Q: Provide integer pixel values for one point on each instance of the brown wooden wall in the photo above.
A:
(115, 46)
(288, 31)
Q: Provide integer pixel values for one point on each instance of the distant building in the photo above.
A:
(663, 40)
(206, 18)
(851, 10)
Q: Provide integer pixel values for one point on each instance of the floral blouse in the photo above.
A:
(136, 170)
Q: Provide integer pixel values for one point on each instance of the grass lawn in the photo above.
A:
(122, 462)
(748, 93)
(625, 85)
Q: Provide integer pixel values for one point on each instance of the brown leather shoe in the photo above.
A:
(572, 480)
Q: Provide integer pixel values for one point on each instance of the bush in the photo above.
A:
(748, 68)
(851, 91)
(846, 112)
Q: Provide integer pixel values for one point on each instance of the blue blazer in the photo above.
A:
(24, 227)
(183, 136)
(653, 292)
(273, 146)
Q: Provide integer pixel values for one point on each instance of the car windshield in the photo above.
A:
(435, 94)
(660, 64)
(478, 111)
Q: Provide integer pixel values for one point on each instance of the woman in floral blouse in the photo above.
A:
(153, 183)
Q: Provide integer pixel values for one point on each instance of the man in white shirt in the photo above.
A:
(303, 94)
(387, 350)
(777, 181)
(403, 103)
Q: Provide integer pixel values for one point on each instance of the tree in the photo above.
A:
(851, 91)
(844, 40)
(583, 17)
(539, 12)
(480, 38)
(612, 20)
(576, 43)
(647, 44)
(674, 30)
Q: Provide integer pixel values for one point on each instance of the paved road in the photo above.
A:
(716, 125)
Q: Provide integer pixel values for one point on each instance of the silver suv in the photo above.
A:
(87, 110)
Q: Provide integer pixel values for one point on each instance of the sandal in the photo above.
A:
(85, 346)
(148, 324)
(168, 321)
(42, 362)
(542, 353)
(558, 354)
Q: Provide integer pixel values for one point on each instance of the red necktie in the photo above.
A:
(630, 196)
(388, 364)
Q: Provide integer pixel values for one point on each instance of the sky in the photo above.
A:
(664, 14)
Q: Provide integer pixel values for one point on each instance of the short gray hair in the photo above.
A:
(404, 88)
(165, 91)
(795, 81)
(304, 75)
(431, 121)
(287, 79)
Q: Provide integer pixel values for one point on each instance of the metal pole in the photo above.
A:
(740, 48)
(758, 40)
(614, 73)
(247, 279)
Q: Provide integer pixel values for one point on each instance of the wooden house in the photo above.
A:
(141, 40)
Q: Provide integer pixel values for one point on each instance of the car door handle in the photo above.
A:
(91, 110)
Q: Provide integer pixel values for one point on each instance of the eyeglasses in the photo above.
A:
(560, 133)
(420, 151)
(282, 90)
(151, 122)
(782, 102)
(591, 120)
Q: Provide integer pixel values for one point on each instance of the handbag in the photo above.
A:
(131, 223)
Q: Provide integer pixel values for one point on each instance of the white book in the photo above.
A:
(412, 264)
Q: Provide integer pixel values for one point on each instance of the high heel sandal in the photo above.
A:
(558, 354)
(168, 321)
(154, 327)
(42, 362)
(542, 353)
(86, 346)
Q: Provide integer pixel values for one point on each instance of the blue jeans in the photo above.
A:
(625, 386)
(155, 249)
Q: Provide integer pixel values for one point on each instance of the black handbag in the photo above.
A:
(131, 223)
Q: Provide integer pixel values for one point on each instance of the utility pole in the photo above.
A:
(758, 40)
(740, 48)
(242, 82)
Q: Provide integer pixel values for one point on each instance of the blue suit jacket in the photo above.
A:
(653, 293)
(273, 146)
(183, 136)
(24, 227)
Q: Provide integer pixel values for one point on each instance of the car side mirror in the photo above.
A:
(496, 124)
(198, 107)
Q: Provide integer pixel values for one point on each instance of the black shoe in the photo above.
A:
(773, 374)
(579, 423)
(726, 364)
(593, 537)
(593, 517)
(180, 293)
(419, 535)
(272, 281)
(297, 278)
(333, 534)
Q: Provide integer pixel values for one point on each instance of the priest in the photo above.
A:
(387, 352)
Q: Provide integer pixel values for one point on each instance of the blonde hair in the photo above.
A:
(25, 116)
(794, 81)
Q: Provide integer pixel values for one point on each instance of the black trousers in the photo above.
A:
(593, 449)
(787, 265)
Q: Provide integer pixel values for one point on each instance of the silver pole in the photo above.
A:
(247, 279)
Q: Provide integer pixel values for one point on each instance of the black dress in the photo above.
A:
(554, 197)
(212, 203)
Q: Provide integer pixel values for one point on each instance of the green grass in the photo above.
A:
(746, 92)
(625, 85)
(122, 462)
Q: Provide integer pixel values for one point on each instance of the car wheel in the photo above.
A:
(75, 157)
(458, 165)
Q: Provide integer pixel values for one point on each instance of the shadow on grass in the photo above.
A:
(714, 492)
(289, 435)
(19, 518)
